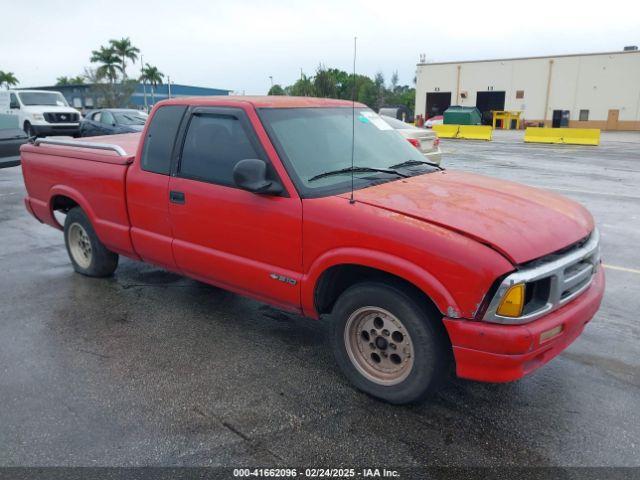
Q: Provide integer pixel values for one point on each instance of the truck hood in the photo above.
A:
(520, 222)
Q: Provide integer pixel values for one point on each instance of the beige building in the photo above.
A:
(599, 90)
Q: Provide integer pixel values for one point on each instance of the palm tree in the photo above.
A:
(8, 79)
(153, 76)
(110, 63)
(125, 51)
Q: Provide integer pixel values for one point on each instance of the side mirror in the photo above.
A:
(251, 175)
(14, 106)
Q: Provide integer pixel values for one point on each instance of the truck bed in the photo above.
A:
(95, 180)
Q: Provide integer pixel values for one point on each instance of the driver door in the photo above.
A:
(242, 241)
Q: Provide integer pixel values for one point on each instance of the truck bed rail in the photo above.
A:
(75, 143)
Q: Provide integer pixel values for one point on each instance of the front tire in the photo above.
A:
(87, 253)
(28, 129)
(387, 343)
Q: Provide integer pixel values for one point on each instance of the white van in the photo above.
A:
(41, 112)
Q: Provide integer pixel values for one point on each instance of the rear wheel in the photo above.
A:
(87, 253)
(387, 343)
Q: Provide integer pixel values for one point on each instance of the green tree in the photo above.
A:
(302, 88)
(152, 76)
(77, 80)
(124, 50)
(325, 83)
(394, 81)
(276, 90)
(109, 62)
(7, 79)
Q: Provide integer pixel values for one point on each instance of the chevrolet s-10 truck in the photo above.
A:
(318, 207)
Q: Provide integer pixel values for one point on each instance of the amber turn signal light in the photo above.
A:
(513, 302)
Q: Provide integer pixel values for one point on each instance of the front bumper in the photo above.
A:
(71, 129)
(503, 353)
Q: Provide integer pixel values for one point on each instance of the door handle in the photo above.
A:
(176, 197)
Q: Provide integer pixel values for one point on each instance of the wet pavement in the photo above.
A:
(150, 368)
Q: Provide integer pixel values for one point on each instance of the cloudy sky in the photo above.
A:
(238, 44)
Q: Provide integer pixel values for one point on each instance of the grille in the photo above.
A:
(551, 282)
(56, 117)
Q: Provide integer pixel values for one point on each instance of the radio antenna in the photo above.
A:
(353, 115)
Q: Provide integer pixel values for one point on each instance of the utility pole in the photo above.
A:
(169, 85)
(271, 78)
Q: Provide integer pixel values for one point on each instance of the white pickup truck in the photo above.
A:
(40, 112)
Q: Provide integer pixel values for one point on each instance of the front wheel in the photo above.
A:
(29, 130)
(387, 343)
(87, 253)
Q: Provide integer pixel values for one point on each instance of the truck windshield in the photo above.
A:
(43, 98)
(314, 142)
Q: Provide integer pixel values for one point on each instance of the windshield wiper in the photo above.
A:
(356, 170)
(410, 163)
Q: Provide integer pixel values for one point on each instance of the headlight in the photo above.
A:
(38, 116)
(513, 302)
(544, 285)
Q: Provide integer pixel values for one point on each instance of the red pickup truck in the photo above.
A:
(319, 207)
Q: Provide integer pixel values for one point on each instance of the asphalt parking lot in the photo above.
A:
(149, 368)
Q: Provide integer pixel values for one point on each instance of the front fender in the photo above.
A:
(385, 262)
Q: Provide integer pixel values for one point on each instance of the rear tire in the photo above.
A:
(87, 253)
(387, 343)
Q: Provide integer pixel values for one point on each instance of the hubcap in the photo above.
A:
(379, 345)
(80, 245)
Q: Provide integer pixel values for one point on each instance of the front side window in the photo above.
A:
(43, 98)
(213, 145)
(160, 139)
(316, 141)
(107, 118)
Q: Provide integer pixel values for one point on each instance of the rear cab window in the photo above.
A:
(160, 139)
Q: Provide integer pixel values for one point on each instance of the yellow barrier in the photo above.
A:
(573, 136)
(446, 131)
(475, 132)
(468, 132)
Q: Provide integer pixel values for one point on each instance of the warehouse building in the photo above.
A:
(86, 96)
(594, 90)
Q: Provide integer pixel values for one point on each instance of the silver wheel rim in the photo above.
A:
(80, 245)
(379, 345)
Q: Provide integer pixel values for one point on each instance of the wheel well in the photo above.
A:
(62, 203)
(335, 280)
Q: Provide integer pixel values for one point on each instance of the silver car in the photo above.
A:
(424, 140)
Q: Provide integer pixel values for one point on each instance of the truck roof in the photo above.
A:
(264, 101)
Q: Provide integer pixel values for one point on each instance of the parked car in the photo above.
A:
(436, 120)
(10, 141)
(424, 140)
(41, 112)
(111, 121)
(399, 112)
(297, 203)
